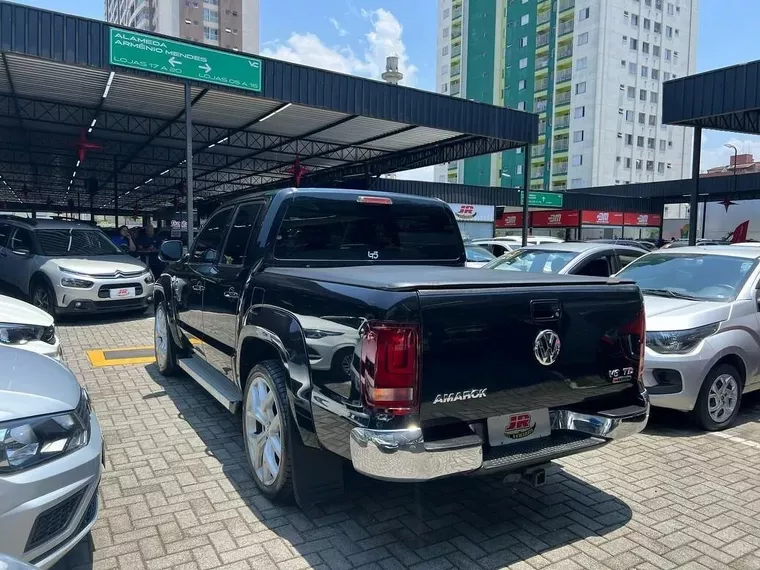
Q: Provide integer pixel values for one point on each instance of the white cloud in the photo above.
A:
(336, 24)
(384, 39)
(721, 155)
(424, 174)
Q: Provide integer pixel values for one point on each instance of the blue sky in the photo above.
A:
(354, 36)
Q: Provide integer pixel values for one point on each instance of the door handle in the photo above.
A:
(231, 294)
(198, 287)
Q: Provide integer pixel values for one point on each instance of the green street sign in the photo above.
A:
(548, 199)
(180, 59)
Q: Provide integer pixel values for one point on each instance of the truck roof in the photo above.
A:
(413, 277)
(336, 193)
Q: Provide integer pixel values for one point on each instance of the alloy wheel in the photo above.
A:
(722, 397)
(263, 429)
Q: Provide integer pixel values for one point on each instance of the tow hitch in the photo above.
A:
(533, 476)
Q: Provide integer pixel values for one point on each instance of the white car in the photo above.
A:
(477, 256)
(69, 267)
(330, 344)
(25, 326)
(51, 459)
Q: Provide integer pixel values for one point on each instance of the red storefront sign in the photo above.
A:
(598, 218)
(510, 220)
(644, 220)
(555, 219)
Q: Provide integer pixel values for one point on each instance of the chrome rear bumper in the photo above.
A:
(404, 455)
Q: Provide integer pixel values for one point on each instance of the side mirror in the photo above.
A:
(171, 251)
(22, 252)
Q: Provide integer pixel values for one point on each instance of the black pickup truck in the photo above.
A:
(346, 327)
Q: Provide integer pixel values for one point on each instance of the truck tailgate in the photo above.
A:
(480, 356)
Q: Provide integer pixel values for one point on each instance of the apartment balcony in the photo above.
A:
(456, 13)
(537, 150)
(456, 70)
(561, 145)
(562, 98)
(543, 17)
(542, 40)
(541, 129)
(542, 63)
(565, 51)
(564, 75)
(455, 88)
(456, 32)
(541, 85)
(540, 106)
(559, 169)
(456, 50)
(565, 27)
(537, 173)
(563, 123)
(561, 187)
(566, 5)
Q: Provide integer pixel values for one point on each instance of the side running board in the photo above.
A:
(215, 383)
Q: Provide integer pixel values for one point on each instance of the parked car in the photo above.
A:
(51, 458)
(25, 326)
(69, 267)
(642, 244)
(685, 243)
(477, 256)
(569, 258)
(498, 247)
(703, 329)
(412, 408)
(747, 244)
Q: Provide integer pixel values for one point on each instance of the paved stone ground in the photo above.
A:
(177, 494)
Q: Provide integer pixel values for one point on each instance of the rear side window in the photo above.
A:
(627, 257)
(347, 230)
(21, 240)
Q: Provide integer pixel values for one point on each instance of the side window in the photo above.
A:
(627, 257)
(240, 235)
(208, 242)
(597, 267)
(5, 229)
(21, 240)
(499, 250)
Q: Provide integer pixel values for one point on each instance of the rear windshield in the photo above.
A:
(75, 242)
(347, 230)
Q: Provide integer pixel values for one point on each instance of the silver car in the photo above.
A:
(569, 258)
(69, 267)
(51, 458)
(703, 328)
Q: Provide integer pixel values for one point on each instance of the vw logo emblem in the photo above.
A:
(546, 347)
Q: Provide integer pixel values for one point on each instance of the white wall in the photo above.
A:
(251, 26)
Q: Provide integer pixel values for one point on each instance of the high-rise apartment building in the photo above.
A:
(231, 24)
(593, 71)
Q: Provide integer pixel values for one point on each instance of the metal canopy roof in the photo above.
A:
(726, 99)
(58, 90)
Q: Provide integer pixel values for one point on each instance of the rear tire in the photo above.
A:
(719, 398)
(43, 297)
(267, 429)
(163, 343)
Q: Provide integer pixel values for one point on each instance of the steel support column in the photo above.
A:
(526, 177)
(696, 156)
(115, 192)
(189, 161)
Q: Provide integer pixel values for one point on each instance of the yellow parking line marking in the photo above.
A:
(132, 355)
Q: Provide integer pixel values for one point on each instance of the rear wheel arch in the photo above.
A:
(254, 350)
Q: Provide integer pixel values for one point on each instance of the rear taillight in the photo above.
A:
(389, 368)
